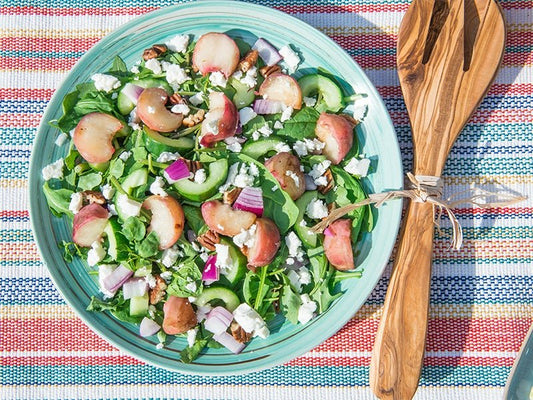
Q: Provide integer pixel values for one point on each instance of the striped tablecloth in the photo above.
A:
(481, 296)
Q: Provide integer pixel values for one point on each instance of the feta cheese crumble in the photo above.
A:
(286, 114)
(290, 57)
(104, 270)
(105, 83)
(306, 312)
(175, 74)
(246, 114)
(170, 256)
(235, 147)
(130, 208)
(53, 170)
(167, 156)
(295, 246)
(107, 191)
(200, 176)
(181, 108)
(153, 65)
(95, 254)
(197, 99)
(250, 321)
(282, 148)
(299, 277)
(358, 167)
(316, 209)
(61, 139)
(308, 146)
(246, 237)
(157, 187)
(217, 78)
(318, 171)
(178, 43)
(278, 125)
(224, 261)
(191, 336)
(125, 155)
(76, 202)
(309, 101)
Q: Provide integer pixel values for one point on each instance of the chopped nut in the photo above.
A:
(231, 195)
(194, 119)
(331, 207)
(326, 188)
(92, 196)
(176, 99)
(159, 291)
(239, 334)
(155, 51)
(249, 60)
(266, 70)
(209, 239)
(192, 165)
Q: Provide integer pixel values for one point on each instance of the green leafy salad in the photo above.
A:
(193, 179)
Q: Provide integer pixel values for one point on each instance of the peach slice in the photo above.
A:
(216, 52)
(266, 244)
(93, 137)
(223, 219)
(179, 316)
(89, 224)
(285, 167)
(221, 121)
(152, 111)
(167, 221)
(337, 133)
(338, 244)
(283, 88)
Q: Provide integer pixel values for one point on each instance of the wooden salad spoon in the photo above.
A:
(449, 52)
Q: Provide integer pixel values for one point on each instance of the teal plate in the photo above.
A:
(520, 382)
(376, 135)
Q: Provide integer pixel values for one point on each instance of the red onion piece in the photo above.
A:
(265, 106)
(250, 199)
(268, 53)
(116, 279)
(134, 287)
(191, 236)
(222, 314)
(132, 92)
(327, 232)
(309, 183)
(148, 327)
(176, 171)
(216, 324)
(229, 342)
(211, 273)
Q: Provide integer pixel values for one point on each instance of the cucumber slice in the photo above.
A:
(117, 243)
(125, 105)
(261, 147)
(237, 269)
(331, 93)
(139, 305)
(307, 237)
(244, 95)
(218, 170)
(156, 143)
(219, 293)
(100, 167)
(135, 179)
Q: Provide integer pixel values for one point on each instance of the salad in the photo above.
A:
(192, 180)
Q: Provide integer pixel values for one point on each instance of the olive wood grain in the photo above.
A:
(448, 54)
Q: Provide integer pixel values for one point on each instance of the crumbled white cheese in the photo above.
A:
(191, 336)
(293, 278)
(150, 280)
(134, 120)
(245, 177)
(235, 147)
(286, 114)
(300, 148)
(175, 75)
(107, 191)
(309, 101)
(316, 209)
(318, 170)
(289, 261)
(105, 83)
(299, 277)
(143, 271)
(232, 173)
(294, 245)
(204, 256)
(191, 286)
(178, 43)
(211, 125)
(223, 261)
(359, 112)
(304, 275)
(282, 148)
(167, 156)
(104, 270)
(246, 237)
(278, 125)
(290, 57)
(96, 253)
(76, 202)
(294, 177)
(197, 99)
(181, 108)
(128, 207)
(112, 210)
(250, 79)
(159, 346)
(321, 181)
(135, 69)
(256, 135)
(61, 138)
(157, 187)
(253, 170)
(53, 170)
(265, 130)
(303, 224)
(217, 78)
(250, 321)
(307, 309)
(274, 188)
(153, 65)
(125, 155)
(200, 176)
(246, 114)
(358, 167)
(166, 275)
(170, 256)
(308, 146)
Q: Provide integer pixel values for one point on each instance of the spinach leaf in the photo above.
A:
(58, 200)
(149, 247)
(116, 168)
(290, 303)
(94, 102)
(118, 65)
(184, 276)
(194, 218)
(189, 354)
(322, 293)
(133, 229)
(89, 181)
(118, 307)
(253, 125)
(70, 159)
(69, 119)
(302, 125)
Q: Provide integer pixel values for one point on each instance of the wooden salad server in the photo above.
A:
(449, 52)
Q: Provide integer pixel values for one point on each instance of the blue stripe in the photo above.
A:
(14, 169)
(41, 54)
(15, 153)
(16, 235)
(14, 219)
(17, 136)
(21, 263)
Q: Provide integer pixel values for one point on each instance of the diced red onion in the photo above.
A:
(238, 131)
(250, 199)
(191, 236)
(116, 279)
(222, 313)
(132, 92)
(134, 287)
(211, 273)
(229, 342)
(268, 53)
(309, 183)
(148, 327)
(327, 232)
(176, 171)
(265, 106)
(216, 324)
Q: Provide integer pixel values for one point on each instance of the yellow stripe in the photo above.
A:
(13, 183)
(55, 33)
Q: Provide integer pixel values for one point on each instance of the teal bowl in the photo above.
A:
(376, 135)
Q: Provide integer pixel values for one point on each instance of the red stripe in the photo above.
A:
(69, 360)
(14, 214)
(25, 94)
(26, 43)
(368, 8)
(75, 11)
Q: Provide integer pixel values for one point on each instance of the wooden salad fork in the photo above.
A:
(449, 52)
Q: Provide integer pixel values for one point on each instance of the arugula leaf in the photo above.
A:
(70, 159)
(194, 218)
(149, 246)
(189, 354)
(118, 307)
(58, 200)
(69, 119)
(187, 273)
(71, 249)
(133, 229)
(290, 303)
(94, 101)
(322, 295)
(301, 125)
(253, 125)
(89, 181)
(118, 65)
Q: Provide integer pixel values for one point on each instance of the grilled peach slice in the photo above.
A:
(337, 133)
(167, 221)
(221, 121)
(338, 244)
(283, 88)
(179, 316)
(223, 219)
(266, 244)
(215, 52)
(285, 167)
(152, 111)
(93, 137)
(89, 224)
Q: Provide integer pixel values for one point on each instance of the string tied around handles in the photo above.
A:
(429, 189)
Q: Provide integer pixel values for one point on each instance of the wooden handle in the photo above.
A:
(401, 337)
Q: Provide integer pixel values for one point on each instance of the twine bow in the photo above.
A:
(429, 189)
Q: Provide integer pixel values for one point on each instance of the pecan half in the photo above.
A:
(240, 334)
(159, 290)
(192, 165)
(155, 51)
(249, 60)
(92, 196)
(176, 99)
(266, 70)
(194, 119)
(331, 207)
(209, 239)
(326, 188)
(230, 196)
